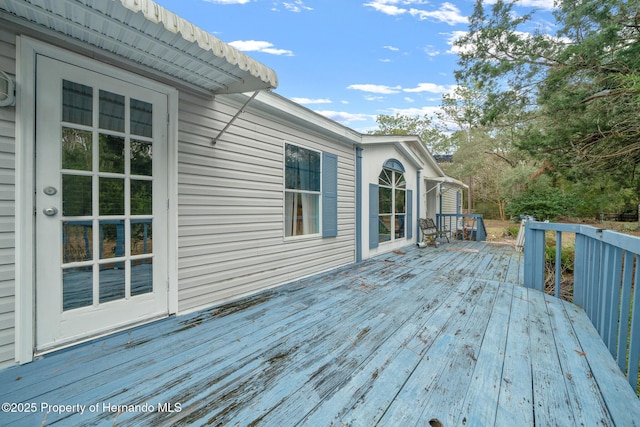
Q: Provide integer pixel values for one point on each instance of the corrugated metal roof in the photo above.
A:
(150, 35)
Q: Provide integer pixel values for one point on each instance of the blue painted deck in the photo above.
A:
(399, 340)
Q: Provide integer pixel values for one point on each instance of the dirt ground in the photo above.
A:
(497, 231)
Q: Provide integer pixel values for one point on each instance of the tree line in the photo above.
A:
(545, 124)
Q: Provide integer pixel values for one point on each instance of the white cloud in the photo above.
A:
(259, 46)
(430, 88)
(381, 89)
(228, 1)
(409, 99)
(391, 48)
(385, 60)
(311, 101)
(539, 4)
(387, 7)
(431, 51)
(297, 6)
(448, 13)
(429, 111)
(346, 118)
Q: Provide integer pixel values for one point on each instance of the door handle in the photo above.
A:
(50, 211)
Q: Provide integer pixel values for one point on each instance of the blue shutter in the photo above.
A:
(373, 216)
(409, 214)
(329, 195)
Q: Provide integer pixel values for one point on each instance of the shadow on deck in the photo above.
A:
(399, 340)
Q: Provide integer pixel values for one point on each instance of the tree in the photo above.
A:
(574, 95)
(428, 131)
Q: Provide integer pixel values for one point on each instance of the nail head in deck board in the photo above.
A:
(375, 355)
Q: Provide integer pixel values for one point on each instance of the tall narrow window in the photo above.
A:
(302, 191)
(392, 203)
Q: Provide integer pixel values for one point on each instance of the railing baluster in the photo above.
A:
(634, 344)
(558, 263)
(625, 307)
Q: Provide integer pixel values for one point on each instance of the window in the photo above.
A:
(302, 191)
(392, 205)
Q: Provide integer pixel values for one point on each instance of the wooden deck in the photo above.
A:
(400, 340)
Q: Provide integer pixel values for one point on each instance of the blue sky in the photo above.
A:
(349, 60)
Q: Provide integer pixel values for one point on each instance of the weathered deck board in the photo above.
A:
(410, 336)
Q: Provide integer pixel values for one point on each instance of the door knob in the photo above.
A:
(50, 211)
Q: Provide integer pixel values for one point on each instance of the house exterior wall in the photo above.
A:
(231, 203)
(7, 209)
(374, 157)
(230, 218)
(450, 200)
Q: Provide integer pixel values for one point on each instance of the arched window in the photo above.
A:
(392, 202)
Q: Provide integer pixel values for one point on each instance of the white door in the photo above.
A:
(101, 203)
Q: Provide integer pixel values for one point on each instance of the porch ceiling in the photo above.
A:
(149, 35)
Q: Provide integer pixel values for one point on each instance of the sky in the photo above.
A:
(349, 60)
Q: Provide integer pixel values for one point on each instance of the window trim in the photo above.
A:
(285, 190)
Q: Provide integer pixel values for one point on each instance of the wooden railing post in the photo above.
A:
(534, 246)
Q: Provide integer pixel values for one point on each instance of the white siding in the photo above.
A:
(231, 213)
(449, 200)
(7, 210)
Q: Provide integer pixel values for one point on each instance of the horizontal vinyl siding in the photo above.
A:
(7, 211)
(230, 204)
(449, 201)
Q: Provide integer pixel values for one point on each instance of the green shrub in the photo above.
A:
(545, 203)
(566, 258)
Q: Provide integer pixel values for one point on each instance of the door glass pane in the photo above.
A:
(111, 239)
(76, 149)
(77, 287)
(141, 197)
(77, 241)
(76, 195)
(141, 276)
(77, 103)
(111, 196)
(111, 154)
(141, 158)
(111, 111)
(141, 237)
(112, 285)
(141, 118)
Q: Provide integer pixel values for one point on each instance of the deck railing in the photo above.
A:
(463, 226)
(606, 273)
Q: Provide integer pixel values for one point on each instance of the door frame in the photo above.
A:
(27, 48)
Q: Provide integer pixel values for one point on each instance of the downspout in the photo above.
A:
(358, 204)
(233, 119)
(418, 197)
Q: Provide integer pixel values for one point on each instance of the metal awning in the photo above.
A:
(447, 180)
(149, 35)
